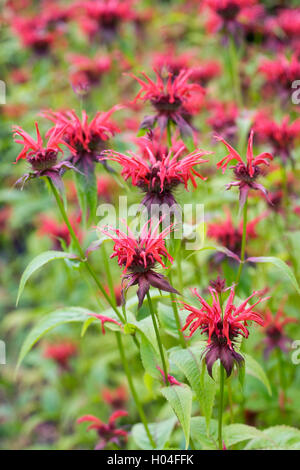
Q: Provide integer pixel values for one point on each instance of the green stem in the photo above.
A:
(230, 399)
(235, 73)
(176, 316)
(160, 346)
(281, 373)
(221, 403)
(244, 236)
(132, 389)
(76, 242)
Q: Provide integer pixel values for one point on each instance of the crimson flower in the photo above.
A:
(171, 380)
(86, 138)
(174, 99)
(223, 119)
(116, 398)
(274, 330)
(108, 15)
(86, 71)
(43, 159)
(205, 72)
(58, 232)
(171, 62)
(247, 173)
(161, 173)
(139, 256)
(281, 136)
(230, 236)
(61, 353)
(222, 329)
(108, 433)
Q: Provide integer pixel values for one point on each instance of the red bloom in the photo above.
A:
(171, 379)
(245, 173)
(104, 320)
(34, 33)
(205, 72)
(86, 138)
(161, 174)
(57, 231)
(173, 98)
(281, 136)
(117, 398)
(43, 159)
(223, 119)
(170, 62)
(274, 330)
(86, 72)
(61, 352)
(108, 433)
(139, 256)
(222, 328)
(230, 236)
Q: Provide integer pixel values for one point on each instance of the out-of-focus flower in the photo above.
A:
(171, 380)
(107, 188)
(86, 71)
(58, 231)
(43, 158)
(108, 15)
(222, 328)
(281, 136)
(161, 174)
(230, 236)
(279, 75)
(171, 62)
(223, 119)
(33, 33)
(61, 352)
(86, 138)
(273, 329)
(139, 256)
(108, 433)
(247, 173)
(174, 99)
(116, 398)
(205, 72)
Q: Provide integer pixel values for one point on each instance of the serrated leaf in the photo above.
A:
(190, 364)
(235, 433)
(199, 433)
(160, 432)
(47, 323)
(252, 367)
(281, 265)
(37, 263)
(180, 398)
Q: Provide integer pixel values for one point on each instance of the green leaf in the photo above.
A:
(281, 265)
(160, 432)
(48, 322)
(199, 433)
(37, 263)
(254, 368)
(190, 364)
(180, 398)
(235, 433)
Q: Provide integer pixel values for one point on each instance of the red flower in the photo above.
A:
(140, 256)
(230, 236)
(117, 398)
(34, 33)
(274, 330)
(43, 159)
(222, 328)
(171, 379)
(104, 320)
(281, 136)
(108, 433)
(170, 62)
(57, 231)
(161, 174)
(173, 98)
(86, 72)
(205, 72)
(223, 119)
(245, 173)
(61, 352)
(86, 138)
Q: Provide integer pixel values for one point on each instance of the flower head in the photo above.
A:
(86, 72)
(222, 329)
(116, 398)
(86, 138)
(61, 352)
(139, 257)
(43, 158)
(246, 173)
(273, 328)
(161, 173)
(108, 433)
(174, 99)
(58, 232)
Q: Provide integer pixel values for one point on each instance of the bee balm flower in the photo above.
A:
(221, 328)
